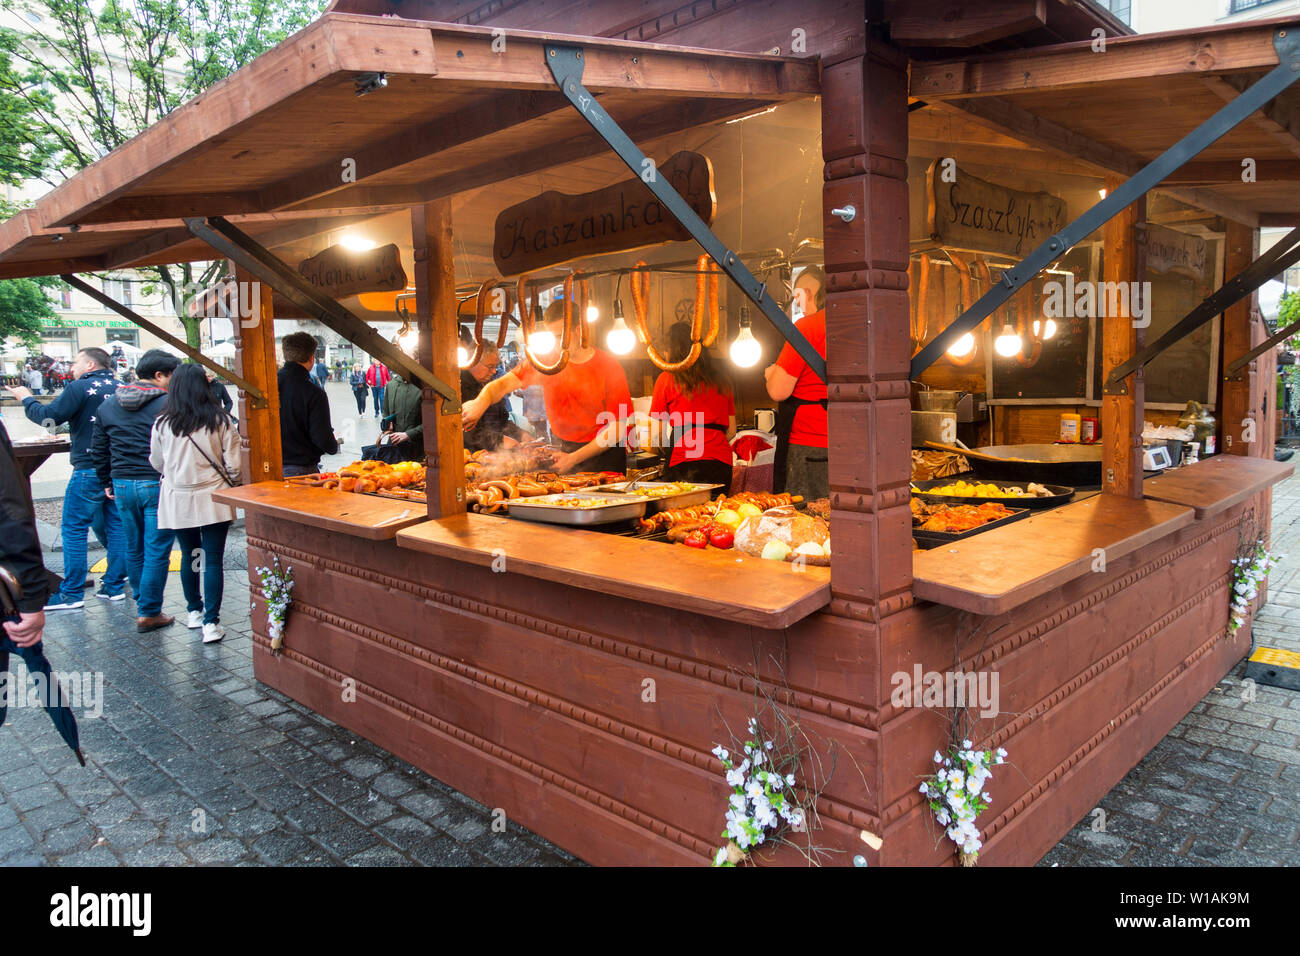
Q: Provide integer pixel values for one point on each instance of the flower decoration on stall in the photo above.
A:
(957, 795)
(1248, 573)
(763, 800)
(277, 590)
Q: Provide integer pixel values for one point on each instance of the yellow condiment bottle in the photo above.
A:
(1071, 427)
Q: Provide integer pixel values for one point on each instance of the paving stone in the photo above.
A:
(1144, 809)
(346, 840)
(1094, 842)
(132, 833)
(368, 811)
(33, 798)
(22, 778)
(404, 831)
(216, 850)
(505, 849)
(15, 838)
(363, 768)
(68, 838)
(156, 854)
(316, 817)
(51, 816)
(463, 825)
(1220, 855)
(251, 822)
(425, 805)
(95, 856)
(378, 856)
(444, 852)
(1281, 754)
(392, 784)
(8, 817)
(282, 847)
(1182, 801)
(1145, 855)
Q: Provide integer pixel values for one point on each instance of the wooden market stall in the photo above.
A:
(578, 680)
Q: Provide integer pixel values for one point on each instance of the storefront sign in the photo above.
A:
(340, 272)
(555, 227)
(969, 213)
(58, 323)
(1171, 251)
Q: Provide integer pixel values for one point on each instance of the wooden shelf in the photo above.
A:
(994, 572)
(1218, 483)
(722, 584)
(362, 516)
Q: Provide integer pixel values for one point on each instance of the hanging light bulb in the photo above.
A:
(593, 313)
(745, 350)
(354, 243)
(462, 356)
(1048, 330)
(542, 342)
(620, 339)
(1008, 343)
(963, 346)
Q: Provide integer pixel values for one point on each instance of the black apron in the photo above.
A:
(611, 459)
(785, 412)
(703, 472)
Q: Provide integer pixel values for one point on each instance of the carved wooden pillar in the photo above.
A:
(1121, 415)
(1241, 396)
(255, 360)
(867, 331)
(435, 319)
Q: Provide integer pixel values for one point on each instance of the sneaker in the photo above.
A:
(213, 633)
(105, 596)
(195, 620)
(64, 605)
(144, 624)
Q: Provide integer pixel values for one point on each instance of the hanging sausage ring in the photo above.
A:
(706, 307)
(481, 312)
(528, 314)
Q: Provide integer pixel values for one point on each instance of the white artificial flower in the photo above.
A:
(985, 797)
(758, 757)
(966, 744)
(754, 790)
(720, 753)
(789, 780)
(721, 857)
(767, 744)
(735, 778)
(738, 803)
(938, 758)
(925, 789)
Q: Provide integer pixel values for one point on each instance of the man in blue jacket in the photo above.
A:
(85, 507)
(120, 443)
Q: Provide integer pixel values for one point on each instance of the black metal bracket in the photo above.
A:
(1254, 97)
(566, 65)
(255, 395)
(1232, 372)
(247, 253)
(1278, 259)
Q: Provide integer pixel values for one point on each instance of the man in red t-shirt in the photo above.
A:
(588, 404)
(801, 466)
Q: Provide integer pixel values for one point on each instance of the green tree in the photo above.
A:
(23, 303)
(91, 76)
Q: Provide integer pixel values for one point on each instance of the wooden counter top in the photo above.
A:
(723, 584)
(1002, 569)
(362, 516)
(1217, 483)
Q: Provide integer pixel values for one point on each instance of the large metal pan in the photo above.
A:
(1072, 465)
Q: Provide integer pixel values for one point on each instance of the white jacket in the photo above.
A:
(188, 479)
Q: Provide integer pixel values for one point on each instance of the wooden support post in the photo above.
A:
(435, 320)
(868, 338)
(1240, 399)
(255, 361)
(1121, 415)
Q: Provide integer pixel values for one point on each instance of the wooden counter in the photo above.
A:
(361, 516)
(722, 584)
(999, 570)
(1216, 484)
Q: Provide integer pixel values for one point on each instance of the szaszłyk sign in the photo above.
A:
(340, 272)
(555, 227)
(965, 212)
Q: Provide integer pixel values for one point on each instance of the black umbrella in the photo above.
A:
(11, 592)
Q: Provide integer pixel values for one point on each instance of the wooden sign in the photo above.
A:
(1171, 251)
(340, 272)
(555, 227)
(970, 213)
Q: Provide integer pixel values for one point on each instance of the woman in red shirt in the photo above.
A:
(700, 407)
(801, 457)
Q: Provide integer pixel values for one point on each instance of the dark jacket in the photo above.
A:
(77, 405)
(495, 423)
(402, 401)
(305, 430)
(123, 427)
(20, 548)
(222, 394)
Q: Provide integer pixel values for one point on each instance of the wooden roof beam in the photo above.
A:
(954, 23)
(1280, 119)
(1227, 48)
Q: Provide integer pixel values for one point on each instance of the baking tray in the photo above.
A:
(537, 509)
(1060, 494)
(697, 496)
(935, 539)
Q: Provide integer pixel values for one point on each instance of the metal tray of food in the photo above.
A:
(1060, 494)
(694, 495)
(934, 539)
(547, 508)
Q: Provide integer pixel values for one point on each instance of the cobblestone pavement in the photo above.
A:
(188, 736)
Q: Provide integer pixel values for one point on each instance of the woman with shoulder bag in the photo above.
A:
(196, 448)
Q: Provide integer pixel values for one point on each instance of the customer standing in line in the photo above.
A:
(195, 446)
(359, 388)
(377, 377)
(120, 448)
(305, 429)
(85, 507)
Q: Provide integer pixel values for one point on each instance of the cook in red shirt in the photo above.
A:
(588, 404)
(801, 458)
(700, 407)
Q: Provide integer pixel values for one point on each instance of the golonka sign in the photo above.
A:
(555, 227)
(340, 272)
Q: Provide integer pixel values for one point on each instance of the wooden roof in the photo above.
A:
(1116, 110)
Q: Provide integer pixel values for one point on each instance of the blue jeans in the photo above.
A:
(148, 547)
(85, 509)
(203, 548)
(377, 393)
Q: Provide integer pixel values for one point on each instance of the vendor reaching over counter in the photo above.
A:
(700, 407)
(588, 404)
(801, 457)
